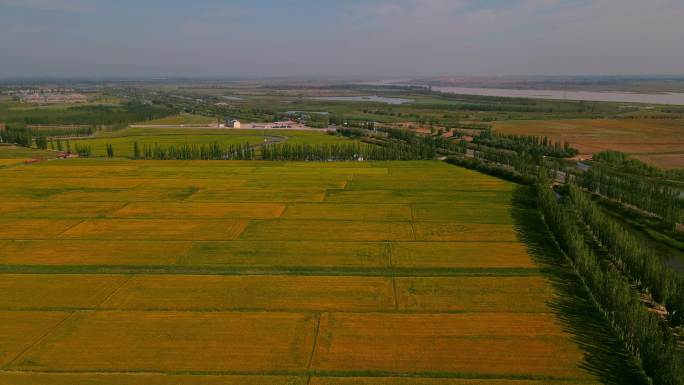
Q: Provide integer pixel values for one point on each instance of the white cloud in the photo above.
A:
(374, 37)
(528, 37)
(51, 5)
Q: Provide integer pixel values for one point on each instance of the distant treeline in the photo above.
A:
(86, 117)
(471, 126)
(623, 163)
(188, 151)
(523, 162)
(16, 135)
(645, 194)
(496, 170)
(83, 150)
(62, 131)
(338, 120)
(534, 145)
(346, 152)
(122, 115)
(25, 137)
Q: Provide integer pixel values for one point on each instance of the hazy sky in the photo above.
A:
(312, 38)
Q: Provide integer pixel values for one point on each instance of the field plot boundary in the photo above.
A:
(504, 379)
(315, 271)
(251, 269)
(320, 374)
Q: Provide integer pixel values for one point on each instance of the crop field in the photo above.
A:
(10, 154)
(660, 141)
(123, 140)
(122, 272)
(182, 119)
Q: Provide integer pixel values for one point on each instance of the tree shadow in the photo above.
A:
(604, 356)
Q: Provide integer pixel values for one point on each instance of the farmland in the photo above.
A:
(277, 273)
(658, 141)
(182, 119)
(123, 140)
(9, 153)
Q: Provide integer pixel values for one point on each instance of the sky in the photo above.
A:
(339, 38)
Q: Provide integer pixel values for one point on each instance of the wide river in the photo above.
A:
(626, 97)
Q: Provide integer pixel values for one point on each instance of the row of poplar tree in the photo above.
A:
(624, 163)
(640, 263)
(346, 152)
(541, 145)
(644, 334)
(612, 272)
(189, 151)
(635, 190)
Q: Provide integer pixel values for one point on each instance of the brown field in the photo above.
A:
(89, 252)
(261, 254)
(171, 341)
(10, 162)
(26, 291)
(312, 230)
(63, 210)
(473, 294)
(165, 379)
(463, 255)
(22, 378)
(349, 212)
(132, 195)
(462, 212)
(436, 381)
(33, 228)
(156, 229)
(634, 136)
(261, 292)
(666, 161)
(21, 329)
(201, 210)
(260, 195)
(423, 183)
(504, 344)
(121, 272)
(450, 231)
(416, 196)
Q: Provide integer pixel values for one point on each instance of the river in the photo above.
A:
(595, 96)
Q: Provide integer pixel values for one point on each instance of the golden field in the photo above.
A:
(497, 343)
(660, 141)
(116, 272)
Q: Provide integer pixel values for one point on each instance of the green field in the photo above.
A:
(208, 272)
(15, 152)
(123, 140)
(182, 119)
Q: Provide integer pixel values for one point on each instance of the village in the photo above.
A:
(47, 96)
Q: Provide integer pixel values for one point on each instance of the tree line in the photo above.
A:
(122, 115)
(656, 198)
(621, 162)
(611, 281)
(188, 151)
(641, 264)
(503, 161)
(59, 145)
(20, 136)
(345, 152)
(27, 137)
(83, 150)
(642, 333)
(535, 145)
(493, 169)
